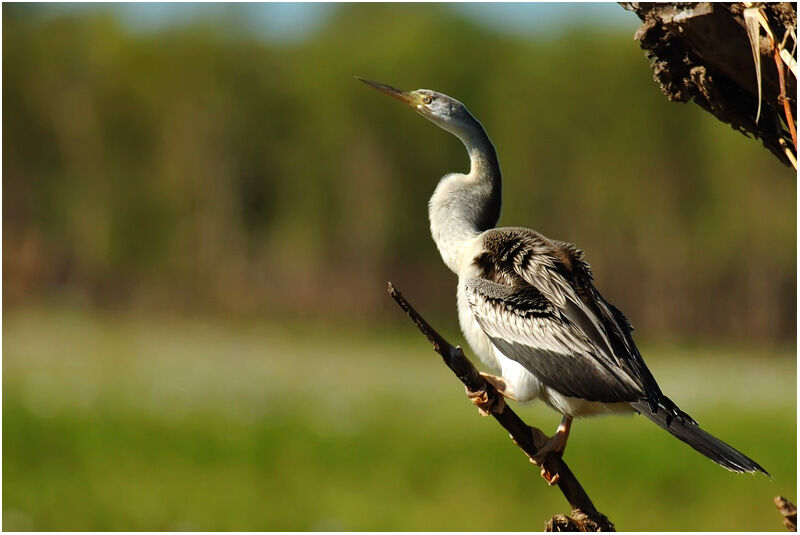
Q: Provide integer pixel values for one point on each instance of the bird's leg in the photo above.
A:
(546, 445)
(491, 404)
(558, 442)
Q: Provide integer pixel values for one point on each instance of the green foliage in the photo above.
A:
(130, 424)
(200, 168)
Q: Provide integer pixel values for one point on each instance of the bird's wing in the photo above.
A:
(525, 326)
(537, 304)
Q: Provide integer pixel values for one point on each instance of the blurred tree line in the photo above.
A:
(198, 168)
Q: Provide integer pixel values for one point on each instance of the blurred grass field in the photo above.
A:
(124, 423)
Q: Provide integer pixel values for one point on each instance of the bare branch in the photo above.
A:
(585, 517)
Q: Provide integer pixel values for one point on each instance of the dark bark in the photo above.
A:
(585, 517)
(700, 51)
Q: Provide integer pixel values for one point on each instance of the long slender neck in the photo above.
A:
(463, 206)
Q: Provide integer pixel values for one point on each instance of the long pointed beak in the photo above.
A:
(409, 97)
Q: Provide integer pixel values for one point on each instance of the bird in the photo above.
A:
(528, 307)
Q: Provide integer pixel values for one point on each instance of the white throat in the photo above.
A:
(451, 225)
(465, 205)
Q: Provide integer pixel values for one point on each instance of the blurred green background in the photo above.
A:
(201, 209)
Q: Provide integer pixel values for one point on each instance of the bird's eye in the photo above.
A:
(427, 100)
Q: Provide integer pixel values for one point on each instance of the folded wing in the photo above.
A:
(536, 302)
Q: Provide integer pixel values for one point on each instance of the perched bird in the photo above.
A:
(528, 307)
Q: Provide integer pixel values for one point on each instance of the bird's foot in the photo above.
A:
(486, 403)
(546, 445)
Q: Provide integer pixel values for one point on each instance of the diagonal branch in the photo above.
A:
(585, 516)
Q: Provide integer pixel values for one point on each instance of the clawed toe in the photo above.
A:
(546, 445)
(551, 478)
(486, 404)
(489, 404)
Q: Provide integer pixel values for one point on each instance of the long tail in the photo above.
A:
(681, 426)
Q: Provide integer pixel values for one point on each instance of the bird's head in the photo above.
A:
(446, 112)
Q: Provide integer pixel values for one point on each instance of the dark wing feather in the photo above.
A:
(596, 357)
(526, 327)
